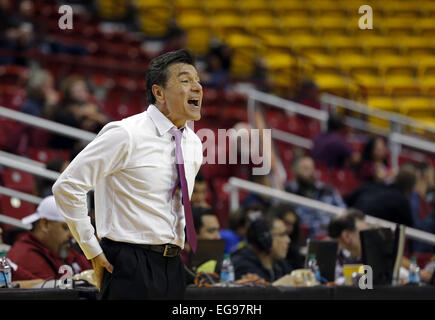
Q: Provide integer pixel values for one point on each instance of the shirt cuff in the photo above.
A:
(91, 248)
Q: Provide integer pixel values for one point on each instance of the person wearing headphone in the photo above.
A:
(265, 252)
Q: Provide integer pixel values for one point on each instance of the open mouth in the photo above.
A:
(194, 103)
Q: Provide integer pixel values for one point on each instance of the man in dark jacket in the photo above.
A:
(266, 251)
(388, 202)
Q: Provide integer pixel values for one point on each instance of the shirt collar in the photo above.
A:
(162, 123)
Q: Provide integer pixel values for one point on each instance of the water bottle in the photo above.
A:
(227, 270)
(313, 266)
(5, 271)
(414, 271)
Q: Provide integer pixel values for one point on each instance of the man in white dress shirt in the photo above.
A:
(139, 208)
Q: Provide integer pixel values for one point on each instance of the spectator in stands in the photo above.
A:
(235, 235)
(331, 148)
(200, 190)
(421, 208)
(374, 162)
(345, 229)
(287, 214)
(177, 39)
(41, 96)
(306, 185)
(308, 94)
(78, 110)
(215, 76)
(256, 201)
(265, 253)
(43, 250)
(386, 201)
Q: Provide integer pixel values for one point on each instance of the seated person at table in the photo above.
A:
(206, 226)
(39, 253)
(345, 229)
(265, 252)
(287, 214)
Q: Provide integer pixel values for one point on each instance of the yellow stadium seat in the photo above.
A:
(296, 24)
(280, 69)
(148, 4)
(255, 7)
(227, 24)
(327, 25)
(290, 7)
(416, 46)
(221, 7)
(401, 85)
(327, 8)
(425, 26)
(332, 83)
(275, 42)
(192, 20)
(244, 50)
(344, 45)
(112, 9)
(395, 64)
(426, 66)
(187, 6)
(397, 26)
(308, 44)
(154, 17)
(402, 9)
(377, 45)
(371, 84)
(427, 84)
(416, 107)
(383, 103)
(259, 24)
(427, 8)
(358, 64)
(323, 63)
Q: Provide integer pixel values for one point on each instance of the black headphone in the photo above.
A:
(259, 234)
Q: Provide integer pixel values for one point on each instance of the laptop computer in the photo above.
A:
(381, 249)
(326, 255)
(207, 250)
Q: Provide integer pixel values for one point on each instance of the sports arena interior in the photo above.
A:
(291, 66)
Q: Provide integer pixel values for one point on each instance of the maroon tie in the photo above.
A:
(190, 227)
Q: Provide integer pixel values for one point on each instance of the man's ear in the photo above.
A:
(43, 225)
(158, 93)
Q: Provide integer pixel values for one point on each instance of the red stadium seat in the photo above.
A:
(18, 180)
(16, 208)
(46, 155)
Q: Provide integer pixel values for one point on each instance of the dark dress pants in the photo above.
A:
(139, 273)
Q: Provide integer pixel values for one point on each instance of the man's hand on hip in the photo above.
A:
(99, 263)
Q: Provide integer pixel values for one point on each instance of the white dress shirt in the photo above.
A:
(131, 165)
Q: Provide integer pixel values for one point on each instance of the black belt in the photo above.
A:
(168, 250)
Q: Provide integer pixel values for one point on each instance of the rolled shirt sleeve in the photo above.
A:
(106, 154)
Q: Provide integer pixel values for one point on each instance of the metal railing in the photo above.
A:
(234, 184)
(47, 124)
(396, 137)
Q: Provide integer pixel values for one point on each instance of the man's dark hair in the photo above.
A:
(335, 123)
(405, 180)
(238, 219)
(157, 72)
(344, 222)
(199, 177)
(198, 213)
(279, 211)
(259, 233)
